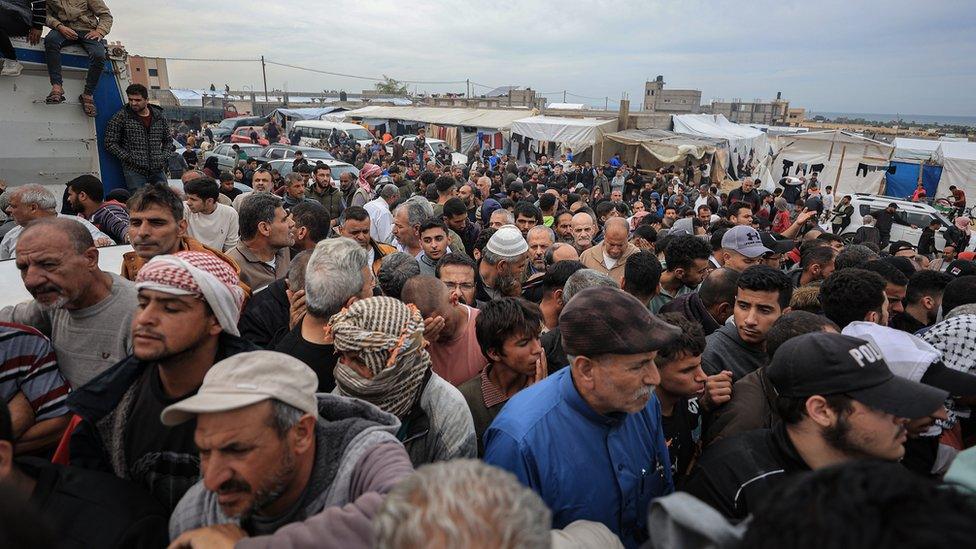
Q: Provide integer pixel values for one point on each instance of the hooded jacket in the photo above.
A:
(141, 150)
(725, 350)
(356, 455)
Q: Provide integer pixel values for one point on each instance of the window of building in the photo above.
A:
(154, 87)
(153, 72)
(138, 69)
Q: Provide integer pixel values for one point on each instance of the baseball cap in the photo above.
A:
(745, 240)
(899, 246)
(245, 379)
(776, 245)
(507, 242)
(961, 267)
(822, 363)
(603, 320)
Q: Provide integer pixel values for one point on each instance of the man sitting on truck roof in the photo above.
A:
(84, 24)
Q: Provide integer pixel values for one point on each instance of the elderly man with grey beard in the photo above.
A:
(76, 304)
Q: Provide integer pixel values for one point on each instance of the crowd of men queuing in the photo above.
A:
(493, 354)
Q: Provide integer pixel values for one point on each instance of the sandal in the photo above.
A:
(88, 105)
(54, 98)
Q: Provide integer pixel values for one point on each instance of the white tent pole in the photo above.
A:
(840, 166)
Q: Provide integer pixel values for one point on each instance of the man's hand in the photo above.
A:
(67, 33)
(296, 307)
(213, 537)
(34, 36)
(433, 325)
(102, 242)
(718, 390)
(95, 35)
(541, 369)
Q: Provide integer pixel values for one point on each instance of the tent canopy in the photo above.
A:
(748, 147)
(958, 161)
(494, 119)
(572, 132)
(667, 147)
(847, 162)
(914, 150)
(308, 113)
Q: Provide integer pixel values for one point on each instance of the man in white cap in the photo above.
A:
(274, 453)
(502, 264)
(742, 248)
(186, 320)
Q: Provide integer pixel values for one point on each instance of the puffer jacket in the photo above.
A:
(140, 150)
(81, 17)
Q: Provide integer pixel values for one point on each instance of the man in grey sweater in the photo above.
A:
(83, 310)
(274, 453)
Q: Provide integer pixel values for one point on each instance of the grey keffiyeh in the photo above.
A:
(388, 337)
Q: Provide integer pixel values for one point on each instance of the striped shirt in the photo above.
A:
(28, 366)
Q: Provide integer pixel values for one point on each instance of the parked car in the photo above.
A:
(433, 147)
(918, 214)
(279, 152)
(226, 158)
(284, 167)
(228, 125)
(243, 135)
(177, 185)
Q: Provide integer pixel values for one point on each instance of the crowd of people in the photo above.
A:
(491, 354)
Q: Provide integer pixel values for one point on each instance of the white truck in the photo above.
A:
(53, 144)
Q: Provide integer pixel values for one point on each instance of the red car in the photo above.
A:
(243, 135)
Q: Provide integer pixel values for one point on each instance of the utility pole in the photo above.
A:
(564, 96)
(467, 88)
(264, 75)
(606, 103)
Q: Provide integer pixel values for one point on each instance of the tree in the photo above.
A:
(391, 86)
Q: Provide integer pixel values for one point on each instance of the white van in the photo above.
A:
(315, 130)
(918, 214)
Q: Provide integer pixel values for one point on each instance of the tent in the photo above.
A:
(847, 162)
(958, 161)
(913, 161)
(747, 146)
(306, 113)
(576, 133)
(489, 119)
(917, 150)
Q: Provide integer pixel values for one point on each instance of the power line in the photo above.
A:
(256, 60)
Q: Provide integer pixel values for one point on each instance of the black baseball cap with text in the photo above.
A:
(824, 363)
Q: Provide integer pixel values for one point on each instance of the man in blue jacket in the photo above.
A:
(588, 439)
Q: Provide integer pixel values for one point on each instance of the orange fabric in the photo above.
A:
(62, 454)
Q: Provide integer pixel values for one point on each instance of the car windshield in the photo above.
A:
(317, 154)
(359, 134)
(344, 168)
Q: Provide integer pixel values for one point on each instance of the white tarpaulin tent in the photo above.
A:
(914, 150)
(747, 146)
(667, 147)
(958, 161)
(576, 133)
(489, 119)
(847, 162)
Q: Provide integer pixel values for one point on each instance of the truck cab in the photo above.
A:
(52, 144)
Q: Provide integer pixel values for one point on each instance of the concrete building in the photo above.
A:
(658, 99)
(796, 116)
(149, 71)
(499, 98)
(771, 113)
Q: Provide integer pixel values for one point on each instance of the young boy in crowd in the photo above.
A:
(508, 332)
(685, 392)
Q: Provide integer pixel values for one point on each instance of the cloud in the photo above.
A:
(857, 56)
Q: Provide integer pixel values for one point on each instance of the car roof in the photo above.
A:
(902, 203)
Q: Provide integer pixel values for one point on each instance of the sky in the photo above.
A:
(895, 56)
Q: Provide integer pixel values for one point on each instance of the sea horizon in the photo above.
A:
(908, 118)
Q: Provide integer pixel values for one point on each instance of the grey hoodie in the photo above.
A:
(351, 435)
(725, 350)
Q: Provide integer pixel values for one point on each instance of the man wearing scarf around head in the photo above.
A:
(186, 321)
(364, 190)
(383, 361)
